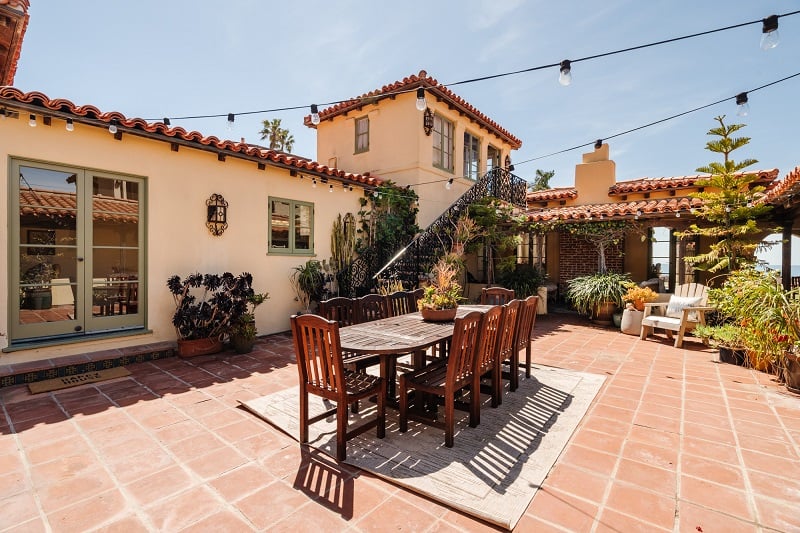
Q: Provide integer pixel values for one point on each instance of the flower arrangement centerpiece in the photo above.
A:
(443, 293)
(637, 296)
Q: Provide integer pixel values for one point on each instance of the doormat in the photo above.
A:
(492, 472)
(66, 382)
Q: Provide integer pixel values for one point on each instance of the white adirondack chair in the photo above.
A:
(684, 310)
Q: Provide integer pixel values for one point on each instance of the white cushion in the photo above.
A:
(677, 304)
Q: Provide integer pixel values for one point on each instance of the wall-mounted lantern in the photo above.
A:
(427, 121)
(217, 218)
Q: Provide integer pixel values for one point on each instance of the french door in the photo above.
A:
(75, 251)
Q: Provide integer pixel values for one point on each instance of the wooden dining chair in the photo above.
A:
(524, 331)
(400, 303)
(416, 296)
(486, 355)
(322, 373)
(372, 307)
(340, 309)
(496, 295)
(506, 350)
(444, 379)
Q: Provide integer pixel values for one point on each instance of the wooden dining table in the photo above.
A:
(399, 335)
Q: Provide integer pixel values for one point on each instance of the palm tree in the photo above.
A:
(279, 138)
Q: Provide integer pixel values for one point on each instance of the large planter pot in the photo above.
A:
(438, 315)
(791, 373)
(603, 313)
(194, 347)
(38, 299)
(759, 363)
(631, 322)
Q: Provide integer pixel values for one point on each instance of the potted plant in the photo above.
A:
(308, 282)
(206, 306)
(37, 293)
(243, 331)
(442, 296)
(728, 339)
(634, 299)
(597, 295)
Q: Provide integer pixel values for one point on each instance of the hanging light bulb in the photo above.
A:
(70, 126)
(231, 119)
(449, 184)
(32, 121)
(678, 214)
(350, 188)
(330, 187)
(744, 107)
(421, 103)
(598, 144)
(166, 121)
(314, 183)
(565, 73)
(112, 128)
(314, 114)
(769, 32)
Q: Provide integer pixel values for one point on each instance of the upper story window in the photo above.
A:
(362, 134)
(291, 227)
(443, 143)
(492, 158)
(472, 157)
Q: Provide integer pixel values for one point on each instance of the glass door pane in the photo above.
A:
(47, 250)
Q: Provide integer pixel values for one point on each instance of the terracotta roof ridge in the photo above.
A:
(408, 84)
(161, 131)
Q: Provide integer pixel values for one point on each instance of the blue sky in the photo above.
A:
(154, 59)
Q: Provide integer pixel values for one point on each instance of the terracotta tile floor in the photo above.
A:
(673, 442)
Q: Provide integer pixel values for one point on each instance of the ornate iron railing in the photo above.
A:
(428, 245)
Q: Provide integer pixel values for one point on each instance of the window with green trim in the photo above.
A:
(362, 134)
(442, 143)
(291, 226)
(472, 157)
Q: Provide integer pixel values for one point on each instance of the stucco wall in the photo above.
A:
(177, 240)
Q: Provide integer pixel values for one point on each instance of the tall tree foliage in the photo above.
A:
(730, 206)
(542, 180)
(279, 138)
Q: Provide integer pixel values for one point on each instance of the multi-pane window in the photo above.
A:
(362, 134)
(442, 143)
(472, 159)
(666, 257)
(492, 158)
(291, 226)
(532, 249)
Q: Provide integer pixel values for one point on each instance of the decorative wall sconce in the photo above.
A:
(217, 218)
(427, 121)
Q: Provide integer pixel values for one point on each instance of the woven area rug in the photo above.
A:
(492, 472)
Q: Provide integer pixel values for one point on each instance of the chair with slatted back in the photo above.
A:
(486, 360)
(416, 296)
(444, 378)
(372, 307)
(340, 309)
(506, 351)
(400, 303)
(524, 331)
(322, 373)
(496, 295)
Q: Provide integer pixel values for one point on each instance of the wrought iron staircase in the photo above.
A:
(428, 245)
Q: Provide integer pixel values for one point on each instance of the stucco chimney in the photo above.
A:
(13, 21)
(594, 176)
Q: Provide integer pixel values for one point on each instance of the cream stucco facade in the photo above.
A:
(399, 149)
(176, 240)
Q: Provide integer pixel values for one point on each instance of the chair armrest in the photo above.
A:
(650, 306)
(700, 311)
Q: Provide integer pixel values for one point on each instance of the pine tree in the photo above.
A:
(730, 206)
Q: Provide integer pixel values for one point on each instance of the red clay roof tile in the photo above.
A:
(677, 182)
(62, 205)
(552, 194)
(409, 84)
(785, 189)
(644, 208)
(160, 131)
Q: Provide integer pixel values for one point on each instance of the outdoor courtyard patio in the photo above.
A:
(672, 442)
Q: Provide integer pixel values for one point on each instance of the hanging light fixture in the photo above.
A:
(32, 120)
(449, 184)
(744, 107)
(112, 128)
(166, 121)
(231, 119)
(330, 187)
(314, 114)
(565, 73)
(421, 103)
(70, 126)
(314, 183)
(427, 121)
(598, 144)
(769, 32)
